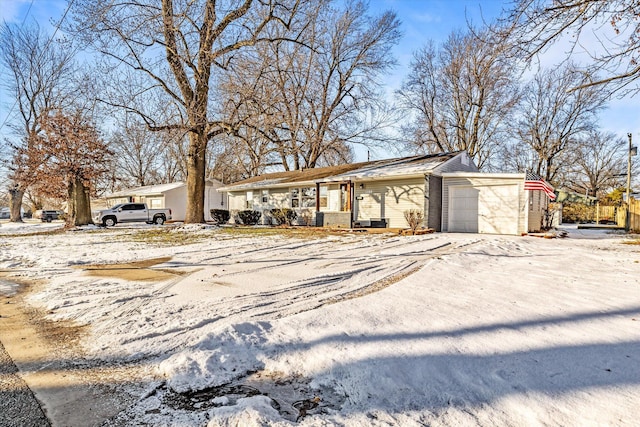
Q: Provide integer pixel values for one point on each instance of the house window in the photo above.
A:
(303, 197)
(308, 197)
(265, 196)
(295, 197)
(249, 202)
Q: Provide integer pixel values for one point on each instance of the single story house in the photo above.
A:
(367, 194)
(172, 196)
(5, 212)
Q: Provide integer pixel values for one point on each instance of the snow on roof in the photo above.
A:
(417, 165)
(147, 189)
(404, 166)
(275, 179)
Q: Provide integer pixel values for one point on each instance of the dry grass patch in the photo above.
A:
(165, 236)
(135, 270)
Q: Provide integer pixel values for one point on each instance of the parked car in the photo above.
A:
(131, 212)
(48, 215)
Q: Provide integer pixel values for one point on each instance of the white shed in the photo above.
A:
(490, 203)
(172, 196)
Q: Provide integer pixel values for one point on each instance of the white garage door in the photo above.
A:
(484, 209)
(463, 209)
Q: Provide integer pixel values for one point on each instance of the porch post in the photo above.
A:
(350, 201)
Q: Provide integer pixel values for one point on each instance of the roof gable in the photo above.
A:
(147, 190)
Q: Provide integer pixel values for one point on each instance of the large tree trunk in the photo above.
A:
(79, 204)
(15, 203)
(196, 168)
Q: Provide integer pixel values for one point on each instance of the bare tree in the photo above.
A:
(552, 118)
(194, 37)
(142, 154)
(39, 75)
(599, 160)
(614, 24)
(462, 95)
(310, 102)
(336, 89)
(250, 148)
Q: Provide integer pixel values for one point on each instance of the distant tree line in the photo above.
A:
(191, 90)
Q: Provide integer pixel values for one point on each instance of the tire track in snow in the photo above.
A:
(299, 296)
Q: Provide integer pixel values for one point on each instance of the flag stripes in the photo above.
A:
(535, 182)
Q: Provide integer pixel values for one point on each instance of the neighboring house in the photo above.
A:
(172, 196)
(368, 194)
(569, 196)
(493, 203)
(5, 213)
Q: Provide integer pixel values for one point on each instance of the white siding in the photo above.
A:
(537, 202)
(279, 198)
(176, 200)
(392, 198)
(237, 201)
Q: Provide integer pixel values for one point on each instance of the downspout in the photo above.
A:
(318, 205)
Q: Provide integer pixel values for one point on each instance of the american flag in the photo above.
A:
(534, 182)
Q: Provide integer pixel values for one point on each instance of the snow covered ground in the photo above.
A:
(350, 329)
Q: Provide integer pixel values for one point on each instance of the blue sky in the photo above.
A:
(422, 20)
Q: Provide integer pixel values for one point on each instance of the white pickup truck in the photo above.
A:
(131, 212)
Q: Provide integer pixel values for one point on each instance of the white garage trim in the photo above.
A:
(484, 203)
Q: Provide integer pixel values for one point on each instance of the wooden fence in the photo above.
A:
(634, 215)
(606, 214)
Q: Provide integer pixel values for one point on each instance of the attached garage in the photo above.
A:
(484, 203)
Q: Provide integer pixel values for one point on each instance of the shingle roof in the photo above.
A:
(364, 170)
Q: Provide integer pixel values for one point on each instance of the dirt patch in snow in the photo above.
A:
(136, 270)
(292, 396)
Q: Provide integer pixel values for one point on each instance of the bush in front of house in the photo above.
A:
(249, 217)
(305, 217)
(414, 218)
(220, 216)
(284, 215)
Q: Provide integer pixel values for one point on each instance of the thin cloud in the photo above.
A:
(13, 11)
(426, 18)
